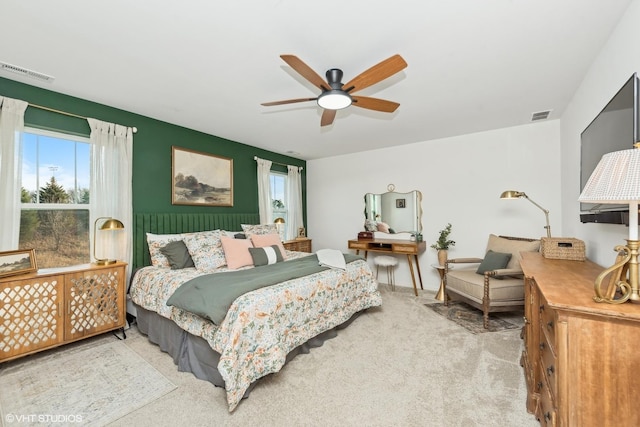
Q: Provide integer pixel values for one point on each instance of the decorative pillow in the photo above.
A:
(205, 249)
(157, 241)
(177, 254)
(236, 252)
(250, 229)
(370, 225)
(493, 261)
(267, 255)
(384, 227)
(514, 247)
(263, 240)
(239, 236)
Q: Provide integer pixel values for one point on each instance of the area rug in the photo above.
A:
(91, 385)
(471, 318)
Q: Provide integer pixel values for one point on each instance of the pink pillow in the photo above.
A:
(264, 240)
(382, 226)
(236, 252)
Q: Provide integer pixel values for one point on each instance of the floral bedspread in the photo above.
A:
(263, 326)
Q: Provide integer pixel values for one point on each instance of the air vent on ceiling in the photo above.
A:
(25, 72)
(540, 115)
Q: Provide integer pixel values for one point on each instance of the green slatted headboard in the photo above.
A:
(173, 223)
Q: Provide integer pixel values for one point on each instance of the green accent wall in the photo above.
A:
(152, 149)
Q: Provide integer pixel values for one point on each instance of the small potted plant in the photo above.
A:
(443, 244)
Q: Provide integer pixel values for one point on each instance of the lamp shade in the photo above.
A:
(279, 221)
(511, 194)
(616, 179)
(112, 224)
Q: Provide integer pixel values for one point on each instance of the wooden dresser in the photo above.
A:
(57, 306)
(300, 244)
(581, 358)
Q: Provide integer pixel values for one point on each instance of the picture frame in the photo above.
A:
(200, 179)
(302, 233)
(21, 261)
(401, 203)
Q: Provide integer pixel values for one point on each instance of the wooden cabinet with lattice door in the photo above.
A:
(57, 306)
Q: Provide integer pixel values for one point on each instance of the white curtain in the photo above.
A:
(11, 125)
(294, 201)
(111, 179)
(264, 191)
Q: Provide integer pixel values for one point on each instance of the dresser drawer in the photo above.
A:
(358, 245)
(549, 365)
(404, 249)
(546, 413)
(548, 323)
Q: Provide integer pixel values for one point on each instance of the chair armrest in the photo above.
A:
(464, 260)
(504, 272)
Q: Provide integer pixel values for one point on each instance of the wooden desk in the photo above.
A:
(395, 247)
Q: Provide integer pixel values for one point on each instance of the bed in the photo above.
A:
(262, 328)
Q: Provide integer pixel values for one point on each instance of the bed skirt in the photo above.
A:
(193, 354)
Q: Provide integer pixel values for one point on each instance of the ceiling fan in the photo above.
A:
(336, 96)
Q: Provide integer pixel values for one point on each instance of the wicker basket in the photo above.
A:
(563, 248)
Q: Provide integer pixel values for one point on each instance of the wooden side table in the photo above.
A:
(301, 244)
(441, 270)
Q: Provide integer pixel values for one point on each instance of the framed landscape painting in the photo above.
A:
(17, 262)
(201, 179)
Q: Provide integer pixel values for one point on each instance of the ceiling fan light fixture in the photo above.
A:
(334, 99)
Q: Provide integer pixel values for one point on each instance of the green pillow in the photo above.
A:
(177, 254)
(493, 261)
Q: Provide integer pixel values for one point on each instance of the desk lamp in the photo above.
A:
(110, 224)
(511, 194)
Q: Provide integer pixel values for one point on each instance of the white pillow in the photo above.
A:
(157, 241)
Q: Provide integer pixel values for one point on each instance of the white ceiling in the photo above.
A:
(207, 65)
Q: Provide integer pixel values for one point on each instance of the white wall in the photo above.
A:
(617, 61)
(460, 178)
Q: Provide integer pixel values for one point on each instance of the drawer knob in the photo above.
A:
(541, 308)
(547, 417)
(550, 325)
(550, 370)
(539, 385)
(526, 321)
(542, 346)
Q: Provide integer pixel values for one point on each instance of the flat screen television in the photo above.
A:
(615, 128)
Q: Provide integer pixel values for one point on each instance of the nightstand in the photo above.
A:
(299, 245)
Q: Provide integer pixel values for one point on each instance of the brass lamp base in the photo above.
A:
(105, 261)
(623, 282)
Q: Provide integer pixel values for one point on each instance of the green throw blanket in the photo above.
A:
(211, 295)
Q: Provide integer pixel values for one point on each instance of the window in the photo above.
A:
(279, 198)
(55, 197)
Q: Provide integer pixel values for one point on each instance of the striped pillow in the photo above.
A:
(265, 255)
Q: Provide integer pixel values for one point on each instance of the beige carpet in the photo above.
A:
(89, 383)
(471, 318)
(397, 365)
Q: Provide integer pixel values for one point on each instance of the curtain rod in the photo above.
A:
(53, 110)
(278, 163)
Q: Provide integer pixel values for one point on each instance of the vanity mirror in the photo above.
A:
(393, 212)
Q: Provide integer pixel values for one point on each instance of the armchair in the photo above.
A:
(494, 283)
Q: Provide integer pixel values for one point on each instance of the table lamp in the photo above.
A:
(616, 179)
(511, 194)
(280, 226)
(110, 224)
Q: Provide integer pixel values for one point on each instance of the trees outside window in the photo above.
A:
(55, 198)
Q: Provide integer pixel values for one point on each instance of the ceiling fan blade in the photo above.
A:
(327, 117)
(287, 101)
(375, 104)
(375, 74)
(305, 71)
